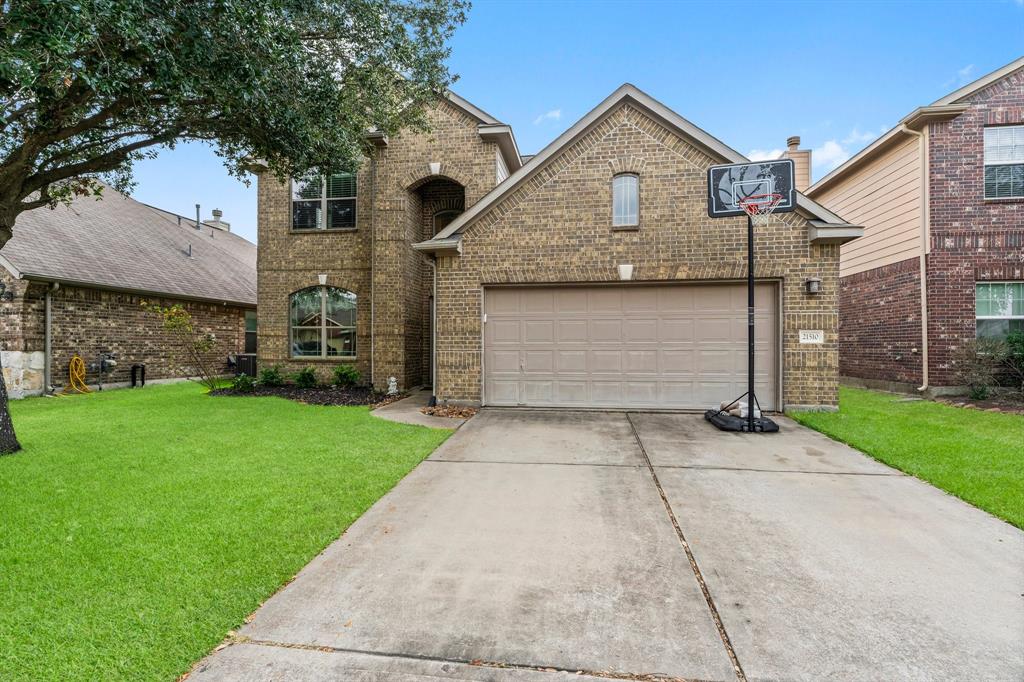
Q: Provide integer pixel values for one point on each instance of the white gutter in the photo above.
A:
(922, 147)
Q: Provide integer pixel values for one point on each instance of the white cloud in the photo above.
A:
(829, 155)
(764, 154)
(856, 137)
(553, 115)
(965, 75)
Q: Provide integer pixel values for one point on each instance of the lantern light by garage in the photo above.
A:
(813, 285)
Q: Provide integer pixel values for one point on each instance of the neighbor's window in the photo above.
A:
(625, 200)
(1000, 308)
(1004, 162)
(323, 323)
(250, 331)
(324, 203)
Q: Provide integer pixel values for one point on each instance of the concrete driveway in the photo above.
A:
(536, 545)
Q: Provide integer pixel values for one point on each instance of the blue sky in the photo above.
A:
(752, 74)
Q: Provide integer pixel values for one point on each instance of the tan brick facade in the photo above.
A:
(554, 228)
(375, 260)
(557, 228)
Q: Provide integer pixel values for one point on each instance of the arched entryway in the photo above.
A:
(433, 204)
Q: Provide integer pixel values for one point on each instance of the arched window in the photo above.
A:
(442, 218)
(625, 200)
(323, 323)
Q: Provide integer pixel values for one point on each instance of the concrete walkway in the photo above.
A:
(407, 411)
(533, 545)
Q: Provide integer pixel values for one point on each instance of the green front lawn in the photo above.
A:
(977, 456)
(138, 527)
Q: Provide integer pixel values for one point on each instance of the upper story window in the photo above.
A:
(324, 203)
(443, 218)
(1004, 162)
(1000, 308)
(625, 200)
(323, 323)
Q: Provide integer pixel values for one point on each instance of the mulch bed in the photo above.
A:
(1009, 403)
(321, 395)
(451, 411)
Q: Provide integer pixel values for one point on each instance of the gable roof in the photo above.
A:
(625, 93)
(122, 244)
(947, 107)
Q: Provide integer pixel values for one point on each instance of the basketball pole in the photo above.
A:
(750, 324)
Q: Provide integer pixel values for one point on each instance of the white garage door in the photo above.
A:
(666, 346)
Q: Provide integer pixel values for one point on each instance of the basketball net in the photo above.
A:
(759, 207)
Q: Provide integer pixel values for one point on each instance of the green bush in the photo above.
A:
(243, 383)
(305, 378)
(1014, 360)
(271, 376)
(976, 363)
(346, 376)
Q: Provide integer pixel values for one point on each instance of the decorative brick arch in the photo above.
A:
(627, 164)
(420, 174)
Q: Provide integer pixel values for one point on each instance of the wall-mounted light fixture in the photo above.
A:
(813, 285)
(625, 272)
(323, 279)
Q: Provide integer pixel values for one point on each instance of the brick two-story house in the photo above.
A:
(941, 200)
(587, 275)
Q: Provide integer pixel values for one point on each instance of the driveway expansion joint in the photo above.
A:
(894, 474)
(479, 663)
(722, 633)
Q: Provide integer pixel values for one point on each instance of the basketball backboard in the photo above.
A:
(729, 184)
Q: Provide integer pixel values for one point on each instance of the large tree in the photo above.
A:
(90, 86)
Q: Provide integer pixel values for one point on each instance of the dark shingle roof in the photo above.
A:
(120, 243)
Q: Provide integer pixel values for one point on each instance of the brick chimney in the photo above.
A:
(216, 221)
(801, 162)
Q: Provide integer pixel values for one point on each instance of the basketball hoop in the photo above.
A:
(759, 207)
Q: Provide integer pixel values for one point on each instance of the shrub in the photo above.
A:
(305, 378)
(243, 383)
(271, 376)
(977, 363)
(198, 345)
(1014, 359)
(346, 376)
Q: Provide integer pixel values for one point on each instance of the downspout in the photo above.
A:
(922, 146)
(433, 334)
(48, 340)
(373, 260)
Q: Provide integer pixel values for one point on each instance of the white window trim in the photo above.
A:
(323, 327)
(322, 226)
(615, 217)
(986, 163)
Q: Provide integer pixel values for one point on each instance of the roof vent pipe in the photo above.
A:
(199, 223)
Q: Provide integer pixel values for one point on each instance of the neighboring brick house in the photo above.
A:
(588, 275)
(941, 199)
(72, 280)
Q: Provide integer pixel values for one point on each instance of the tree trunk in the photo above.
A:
(8, 441)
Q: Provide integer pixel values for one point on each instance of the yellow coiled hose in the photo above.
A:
(76, 376)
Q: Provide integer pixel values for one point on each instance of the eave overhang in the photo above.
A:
(502, 135)
(819, 232)
(440, 247)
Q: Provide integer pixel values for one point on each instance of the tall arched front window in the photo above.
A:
(323, 323)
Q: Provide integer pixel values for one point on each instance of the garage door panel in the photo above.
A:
(571, 362)
(676, 330)
(503, 361)
(504, 331)
(572, 331)
(675, 346)
(606, 331)
(641, 331)
(539, 361)
(538, 331)
(605, 361)
(678, 361)
(642, 361)
(569, 392)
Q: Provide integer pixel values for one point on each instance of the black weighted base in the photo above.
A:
(727, 422)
